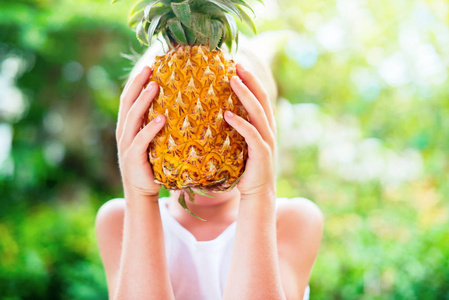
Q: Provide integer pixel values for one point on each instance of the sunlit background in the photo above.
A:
(363, 121)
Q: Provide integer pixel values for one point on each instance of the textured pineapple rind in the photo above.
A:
(196, 148)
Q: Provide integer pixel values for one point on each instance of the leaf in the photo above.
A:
(140, 32)
(243, 3)
(183, 203)
(191, 194)
(191, 38)
(148, 8)
(114, 1)
(201, 27)
(203, 193)
(227, 6)
(235, 182)
(167, 39)
(135, 19)
(182, 12)
(248, 20)
(229, 44)
(177, 31)
(216, 32)
(157, 10)
(152, 28)
(237, 42)
(232, 25)
(140, 6)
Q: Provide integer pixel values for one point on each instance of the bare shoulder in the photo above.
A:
(111, 209)
(109, 224)
(109, 229)
(298, 213)
(299, 229)
(110, 216)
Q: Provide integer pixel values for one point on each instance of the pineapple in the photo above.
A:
(196, 149)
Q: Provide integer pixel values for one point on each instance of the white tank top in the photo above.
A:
(198, 269)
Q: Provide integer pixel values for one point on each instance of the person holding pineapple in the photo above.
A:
(204, 128)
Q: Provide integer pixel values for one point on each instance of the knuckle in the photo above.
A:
(252, 133)
(264, 93)
(266, 149)
(127, 155)
(271, 137)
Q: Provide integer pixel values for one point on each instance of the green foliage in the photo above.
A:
(364, 134)
(189, 22)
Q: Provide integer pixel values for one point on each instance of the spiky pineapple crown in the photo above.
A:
(189, 22)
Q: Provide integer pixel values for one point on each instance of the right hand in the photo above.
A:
(132, 141)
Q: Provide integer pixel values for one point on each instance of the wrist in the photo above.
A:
(268, 193)
(132, 196)
(258, 208)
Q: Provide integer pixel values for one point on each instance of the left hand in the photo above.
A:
(260, 135)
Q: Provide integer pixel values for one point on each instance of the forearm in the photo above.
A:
(254, 270)
(143, 270)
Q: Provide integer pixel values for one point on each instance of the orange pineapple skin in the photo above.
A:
(196, 148)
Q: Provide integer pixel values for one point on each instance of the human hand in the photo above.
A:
(259, 134)
(133, 140)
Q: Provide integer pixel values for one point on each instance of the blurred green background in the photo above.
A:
(363, 125)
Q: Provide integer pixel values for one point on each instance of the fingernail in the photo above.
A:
(158, 119)
(149, 86)
(229, 114)
(241, 68)
(236, 80)
(144, 69)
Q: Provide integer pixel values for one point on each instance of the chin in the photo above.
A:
(216, 197)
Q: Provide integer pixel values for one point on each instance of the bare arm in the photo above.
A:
(143, 272)
(139, 270)
(254, 271)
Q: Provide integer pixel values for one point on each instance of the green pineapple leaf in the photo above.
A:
(228, 6)
(177, 31)
(135, 19)
(237, 41)
(157, 10)
(203, 193)
(140, 6)
(243, 3)
(216, 30)
(201, 27)
(228, 44)
(190, 34)
(191, 194)
(230, 21)
(190, 22)
(167, 39)
(235, 182)
(182, 12)
(152, 28)
(140, 32)
(248, 20)
(147, 9)
(182, 201)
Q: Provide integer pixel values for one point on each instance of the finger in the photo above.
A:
(131, 91)
(134, 118)
(254, 108)
(145, 72)
(256, 87)
(252, 137)
(146, 135)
